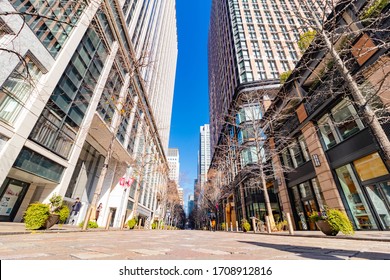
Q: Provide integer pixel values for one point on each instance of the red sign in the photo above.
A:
(130, 182)
(124, 183)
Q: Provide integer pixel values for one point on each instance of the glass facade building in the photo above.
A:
(77, 86)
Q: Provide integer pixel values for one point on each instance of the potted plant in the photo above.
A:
(332, 221)
(131, 223)
(246, 226)
(43, 216)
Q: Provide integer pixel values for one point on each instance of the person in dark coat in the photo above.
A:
(75, 210)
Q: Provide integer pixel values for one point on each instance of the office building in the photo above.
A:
(80, 96)
(250, 44)
(174, 164)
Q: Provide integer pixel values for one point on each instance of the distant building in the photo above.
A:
(204, 154)
(191, 204)
(174, 164)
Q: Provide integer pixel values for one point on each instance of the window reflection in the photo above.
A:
(341, 123)
(358, 205)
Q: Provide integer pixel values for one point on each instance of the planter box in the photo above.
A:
(324, 226)
(51, 221)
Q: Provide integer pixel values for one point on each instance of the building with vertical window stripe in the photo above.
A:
(250, 43)
(73, 87)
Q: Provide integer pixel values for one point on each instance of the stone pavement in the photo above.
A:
(69, 243)
(7, 228)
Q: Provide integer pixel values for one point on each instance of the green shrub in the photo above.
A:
(63, 211)
(91, 224)
(36, 215)
(131, 223)
(223, 226)
(284, 76)
(305, 40)
(281, 225)
(246, 226)
(374, 9)
(339, 221)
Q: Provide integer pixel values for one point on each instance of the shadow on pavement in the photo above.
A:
(322, 253)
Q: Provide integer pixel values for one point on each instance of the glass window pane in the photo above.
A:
(318, 193)
(346, 119)
(328, 135)
(357, 203)
(370, 167)
(380, 197)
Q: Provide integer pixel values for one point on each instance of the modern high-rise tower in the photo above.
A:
(82, 82)
(152, 25)
(204, 154)
(250, 42)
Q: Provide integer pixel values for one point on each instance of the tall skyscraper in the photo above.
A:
(82, 92)
(250, 44)
(204, 154)
(152, 26)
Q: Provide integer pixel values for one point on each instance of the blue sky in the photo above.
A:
(190, 103)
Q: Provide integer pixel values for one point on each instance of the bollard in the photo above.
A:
(268, 224)
(236, 225)
(226, 226)
(109, 220)
(254, 224)
(231, 226)
(290, 225)
(123, 222)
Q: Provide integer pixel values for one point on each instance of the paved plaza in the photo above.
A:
(70, 243)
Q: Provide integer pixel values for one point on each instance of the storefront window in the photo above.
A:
(370, 167)
(357, 203)
(318, 194)
(380, 197)
(299, 210)
(307, 199)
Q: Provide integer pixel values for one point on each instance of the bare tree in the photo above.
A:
(347, 41)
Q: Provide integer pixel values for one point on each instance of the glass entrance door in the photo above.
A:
(380, 198)
(11, 196)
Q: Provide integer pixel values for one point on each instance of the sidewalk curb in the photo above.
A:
(342, 237)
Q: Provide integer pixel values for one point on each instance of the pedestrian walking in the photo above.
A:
(213, 224)
(98, 209)
(75, 210)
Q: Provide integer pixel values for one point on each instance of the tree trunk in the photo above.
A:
(369, 116)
